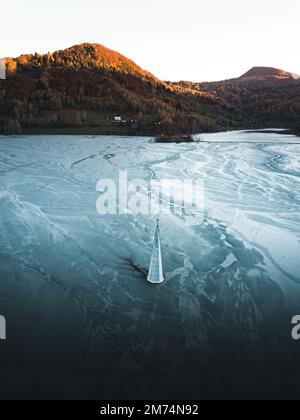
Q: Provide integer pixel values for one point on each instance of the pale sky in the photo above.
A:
(194, 40)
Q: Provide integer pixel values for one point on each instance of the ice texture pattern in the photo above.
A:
(82, 320)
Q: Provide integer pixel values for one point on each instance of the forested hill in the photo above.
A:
(91, 89)
(262, 97)
(84, 89)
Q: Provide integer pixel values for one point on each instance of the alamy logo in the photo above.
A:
(156, 197)
(2, 328)
(296, 329)
(2, 68)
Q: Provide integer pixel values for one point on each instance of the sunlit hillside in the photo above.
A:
(87, 86)
(91, 89)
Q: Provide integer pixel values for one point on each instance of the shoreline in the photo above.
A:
(72, 131)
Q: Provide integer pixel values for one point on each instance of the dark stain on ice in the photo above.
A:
(142, 271)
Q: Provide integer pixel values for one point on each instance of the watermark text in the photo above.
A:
(181, 197)
(2, 328)
(296, 329)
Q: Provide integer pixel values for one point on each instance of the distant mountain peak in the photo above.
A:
(268, 73)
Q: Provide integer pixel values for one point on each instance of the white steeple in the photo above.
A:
(156, 275)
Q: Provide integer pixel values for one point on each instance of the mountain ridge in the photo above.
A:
(82, 87)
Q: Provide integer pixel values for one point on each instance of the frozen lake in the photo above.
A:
(81, 317)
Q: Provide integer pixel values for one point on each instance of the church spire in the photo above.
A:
(155, 275)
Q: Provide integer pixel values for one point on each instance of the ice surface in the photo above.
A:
(73, 283)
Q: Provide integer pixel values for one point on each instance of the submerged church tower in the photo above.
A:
(156, 275)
